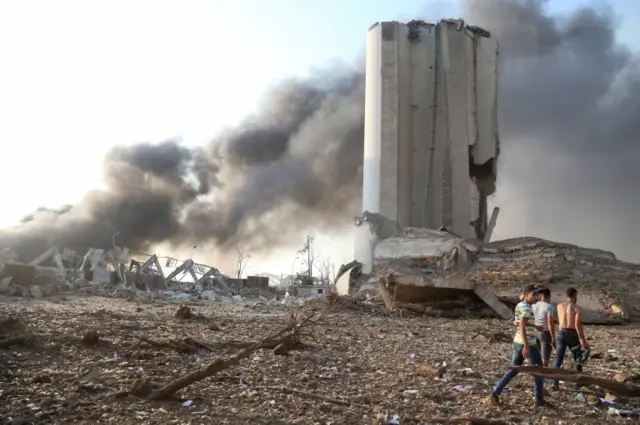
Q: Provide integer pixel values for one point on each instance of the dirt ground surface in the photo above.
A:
(370, 364)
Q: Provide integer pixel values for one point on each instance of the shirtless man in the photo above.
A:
(570, 332)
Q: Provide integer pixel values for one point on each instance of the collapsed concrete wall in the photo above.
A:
(431, 132)
(608, 289)
(428, 265)
(425, 266)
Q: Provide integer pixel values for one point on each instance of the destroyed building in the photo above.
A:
(61, 269)
(430, 158)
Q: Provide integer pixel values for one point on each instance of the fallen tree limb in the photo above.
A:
(181, 348)
(614, 387)
(313, 396)
(17, 340)
(197, 343)
(290, 341)
(469, 420)
(147, 389)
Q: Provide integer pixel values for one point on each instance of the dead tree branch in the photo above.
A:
(468, 421)
(184, 347)
(614, 387)
(17, 340)
(317, 397)
(153, 391)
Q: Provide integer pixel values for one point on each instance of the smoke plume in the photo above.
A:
(569, 101)
(293, 165)
(569, 98)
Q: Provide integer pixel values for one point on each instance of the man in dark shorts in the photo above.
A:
(545, 316)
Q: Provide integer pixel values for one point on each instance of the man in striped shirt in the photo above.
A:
(525, 345)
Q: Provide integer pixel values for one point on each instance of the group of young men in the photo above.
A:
(536, 336)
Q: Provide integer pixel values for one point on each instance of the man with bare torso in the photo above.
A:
(570, 333)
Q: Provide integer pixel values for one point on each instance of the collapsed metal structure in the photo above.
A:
(63, 264)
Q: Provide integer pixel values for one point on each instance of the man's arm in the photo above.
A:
(583, 340)
(523, 333)
(552, 328)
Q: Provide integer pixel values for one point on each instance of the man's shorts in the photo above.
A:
(544, 337)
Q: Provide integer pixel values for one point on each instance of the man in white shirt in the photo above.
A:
(544, 316)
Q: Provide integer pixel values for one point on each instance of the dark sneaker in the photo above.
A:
(494, 399)
(544, 404)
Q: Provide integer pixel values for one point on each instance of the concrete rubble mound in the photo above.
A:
(439, 272)
(423, 267)
(609, 290)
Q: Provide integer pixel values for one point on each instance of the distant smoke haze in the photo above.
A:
(569, 102)
(294, 165)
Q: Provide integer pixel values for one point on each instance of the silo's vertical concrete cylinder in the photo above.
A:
(431, 134)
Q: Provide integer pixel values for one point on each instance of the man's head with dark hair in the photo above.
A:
(545, 294)
(530, 293)
(572, 294)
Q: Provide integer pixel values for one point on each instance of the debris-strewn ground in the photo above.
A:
(376, 363)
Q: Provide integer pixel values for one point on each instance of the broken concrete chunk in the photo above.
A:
(6, 287)
(513, 248)
(470, 247)
(432, 372)
(210, 295)
(36, 292)
(615, 308)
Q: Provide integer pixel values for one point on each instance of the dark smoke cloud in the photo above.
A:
(293, 165)
(569, 102)
(569, 107)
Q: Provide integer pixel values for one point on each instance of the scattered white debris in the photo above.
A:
(209, 295)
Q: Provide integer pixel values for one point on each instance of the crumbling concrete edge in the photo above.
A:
(486, 295)
(483, 292)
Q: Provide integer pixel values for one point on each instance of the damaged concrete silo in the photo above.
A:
(431, 132)
(431, 146)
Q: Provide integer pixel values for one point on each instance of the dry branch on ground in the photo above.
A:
(291, 332)
(362, 356)
(583, 379)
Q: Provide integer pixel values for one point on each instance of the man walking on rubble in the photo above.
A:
(525, 346)
(545, 315)
(570, 333)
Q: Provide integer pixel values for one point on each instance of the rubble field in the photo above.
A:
(75, 359)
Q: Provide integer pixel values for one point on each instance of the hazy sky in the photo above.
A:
(80, 76)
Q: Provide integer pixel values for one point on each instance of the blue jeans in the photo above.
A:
(566, 339)
(518, 360)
